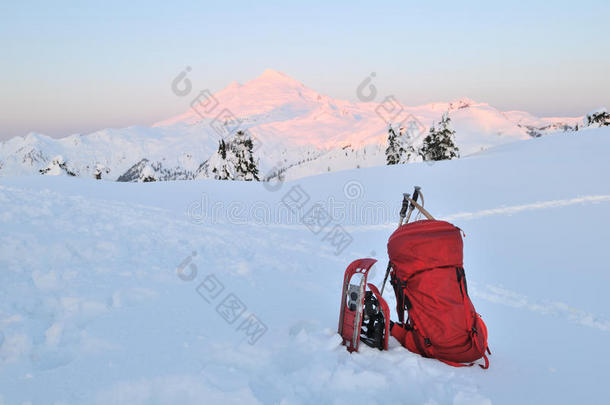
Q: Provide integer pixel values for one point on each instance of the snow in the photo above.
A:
(112, 292)
(54, 169)
(526, 119)
(293, 126)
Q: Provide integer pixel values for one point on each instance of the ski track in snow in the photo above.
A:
(514, 209)
(503, 210)
(503, 296)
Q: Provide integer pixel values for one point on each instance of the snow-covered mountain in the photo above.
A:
(297, 132)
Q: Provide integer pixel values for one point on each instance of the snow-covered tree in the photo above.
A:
(59, 166)
(599, 117)
(234, 160)
(533, 132)
(148, 174)
(99, 170)
(409, 135)
(245, 166)
(439, 143)
(394, 151)
(400, 144)
(221, 165)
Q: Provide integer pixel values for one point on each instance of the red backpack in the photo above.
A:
(429, 282)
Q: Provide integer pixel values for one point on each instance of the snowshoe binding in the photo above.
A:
(364, 314)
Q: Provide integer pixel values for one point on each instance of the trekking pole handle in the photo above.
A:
(415, 195)
(422, 209)
(405, 206)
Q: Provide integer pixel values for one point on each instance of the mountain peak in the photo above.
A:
(233, 85)
(275, 76)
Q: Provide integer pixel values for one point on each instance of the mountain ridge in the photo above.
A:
(289, 122)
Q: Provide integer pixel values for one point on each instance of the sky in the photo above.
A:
(76, 67)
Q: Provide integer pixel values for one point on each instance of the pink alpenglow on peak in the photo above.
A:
(271, 75)
(308, 132)
(274, 106)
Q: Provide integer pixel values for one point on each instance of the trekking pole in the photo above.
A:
(403, 213)
(387, 273)
(403, 210)
(416, 193)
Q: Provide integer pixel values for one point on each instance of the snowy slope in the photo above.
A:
(292, 124)
(93, 310)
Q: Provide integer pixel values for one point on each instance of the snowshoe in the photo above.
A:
(364, 315)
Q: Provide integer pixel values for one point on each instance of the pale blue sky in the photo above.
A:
(69, 67)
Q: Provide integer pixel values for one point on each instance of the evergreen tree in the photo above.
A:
(408, 138)
(439, 143)
(245, 166)
(233, 160)
(599, 117)
(99, 170)
(395, 150)
(222, 149)
(221, 166)
(400, 144)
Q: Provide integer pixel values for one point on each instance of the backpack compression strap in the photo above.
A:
(454, 364)
(402, 301)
